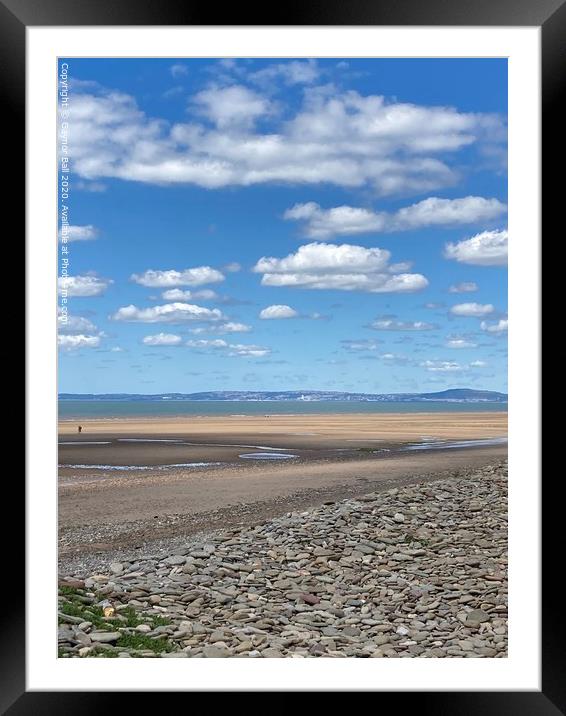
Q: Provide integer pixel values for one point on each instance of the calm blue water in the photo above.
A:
(69, 409)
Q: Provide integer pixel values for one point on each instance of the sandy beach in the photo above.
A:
(186, 476)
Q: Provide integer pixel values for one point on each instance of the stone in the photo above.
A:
(476, 617)
(105, 636)
(310, 598)
(175, 559)
(216, 652)
(411, 572)
(143, 628)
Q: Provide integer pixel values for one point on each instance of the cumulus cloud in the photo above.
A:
(68, 323)
(348, 220)
(205, 343)
(360, 345)
(162, 339)
(292, 72)
(78, 233)
(460, 343)
(448, 212)
(73, 342)
(389, 324)
(395, 359)
(474, 310)
(84, 286)
(442, 366)
(167, 313)
(233, 267)
(179, 70)
(177, 294)
(464, 287)
(232, 107)
(232, 349)
(248, 350)
(341, 267)
(334, 137)
(486, 249)
(188, 277)
(221, 328)
(278, 311)
(499, 327)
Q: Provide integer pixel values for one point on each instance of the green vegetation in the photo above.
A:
(142, 641)
(76, 604)
(88, 613)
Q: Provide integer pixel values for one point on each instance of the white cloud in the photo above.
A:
(188, 277)
(167, 313)
(460, 343)
(78, 233)
(442, 366)
(499, 327)
(248, 351)
(177, 294)
(278, 311)
(464, 287)
(162, 339)
(229, 327)
(394, 359)
(361, 345)
(179, 70)
(83, 285)
(475, 310)
(388, 324)
(341, 267)
(72, 342)
(478, 364)
(348, 220)
(205, 343)
(292, 72)
(68, 323)
(340, 138)
(486, 249)
(233, 267)
(232, 349)
(232, 107)
(448, 212)
(90, 186)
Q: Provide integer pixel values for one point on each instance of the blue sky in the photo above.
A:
(285, 224)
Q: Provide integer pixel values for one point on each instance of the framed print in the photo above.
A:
(276, 415)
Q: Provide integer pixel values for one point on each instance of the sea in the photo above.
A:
(73, 409)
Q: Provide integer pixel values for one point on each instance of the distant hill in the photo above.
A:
(454, 395)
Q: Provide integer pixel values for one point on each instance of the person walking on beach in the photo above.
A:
(80, 429)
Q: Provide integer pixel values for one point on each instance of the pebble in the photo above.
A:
(416, 571)
(104, 636)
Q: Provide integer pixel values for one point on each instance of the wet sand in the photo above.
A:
(337, 456)
(144, 442)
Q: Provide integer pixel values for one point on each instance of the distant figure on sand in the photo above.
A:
(80, 429)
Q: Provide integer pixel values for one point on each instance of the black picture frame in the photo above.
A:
(550, 16)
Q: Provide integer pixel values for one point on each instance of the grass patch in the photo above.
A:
(141, 641)
(105, 653)
(74, 606)
(90, 613)
(65, 591)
